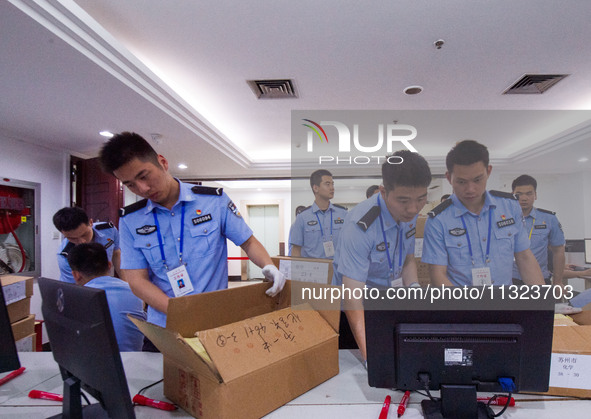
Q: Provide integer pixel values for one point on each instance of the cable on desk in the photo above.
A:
(490, 411)
(150, 385)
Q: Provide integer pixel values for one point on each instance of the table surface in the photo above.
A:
(345, 396)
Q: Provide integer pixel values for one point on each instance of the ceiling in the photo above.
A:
(178, 69)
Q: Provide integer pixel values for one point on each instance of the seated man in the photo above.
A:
(90, 267)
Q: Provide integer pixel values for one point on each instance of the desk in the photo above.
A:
(345, 396)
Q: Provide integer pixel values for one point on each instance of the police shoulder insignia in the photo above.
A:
(341, 207)
(501, 194)
(67, 249)
(234, 209)
(439, 208)
(104, 226)
(546, 211)
(133, 207)
(206, 190)
(369, 217)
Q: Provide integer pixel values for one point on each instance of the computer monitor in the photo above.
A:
(8, 356)
(460, 346)
(83, 343)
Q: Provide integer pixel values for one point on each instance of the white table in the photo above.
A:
(345, 396)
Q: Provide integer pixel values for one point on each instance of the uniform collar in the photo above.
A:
(460, 209)
(389, 221)
(185, 194)
(100, 279)
(532, 213)
(96, 234)
(316, 209)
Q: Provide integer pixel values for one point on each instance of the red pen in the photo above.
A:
(10, 376)
(403, 403)
(385, 408)
(38, 394)
(499, 401)
(157, 404)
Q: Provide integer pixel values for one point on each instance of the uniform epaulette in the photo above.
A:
(67, 249)
(133, 207)
(104, 226)
(439, 208)
(206, 190)
(369, 218)
(546, 211)
(305, 209)
(340, 206)
(501, 194)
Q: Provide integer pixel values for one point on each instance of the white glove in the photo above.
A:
(272, 274)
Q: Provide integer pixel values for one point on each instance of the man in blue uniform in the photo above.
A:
(472, 237)
(90, 267)
(173, 242)
(77, 228)
(377, 242)
(543, 229)
(315, 232)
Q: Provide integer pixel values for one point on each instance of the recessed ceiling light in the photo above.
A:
(583, 159)
(107, 134)
(182, 166)
(413, 90)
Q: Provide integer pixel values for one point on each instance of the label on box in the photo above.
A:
(305, 271)
(15, 292)
(418, 248)
(570, 371)
(25, 344)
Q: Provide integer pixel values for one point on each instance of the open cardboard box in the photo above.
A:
(570, 372)
(253, 353)
(17, 293)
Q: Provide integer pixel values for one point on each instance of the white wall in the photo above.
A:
(32, 163)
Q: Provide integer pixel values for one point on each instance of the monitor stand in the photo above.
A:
(72, 406)
(457, 402)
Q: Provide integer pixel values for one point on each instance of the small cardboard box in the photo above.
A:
(252, 353)
(19, 310)
(319, 271)
(16, 287)
(24, 327)
(570, 371)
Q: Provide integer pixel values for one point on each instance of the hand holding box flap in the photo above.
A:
(248, 345)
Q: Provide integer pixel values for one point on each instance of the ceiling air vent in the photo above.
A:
(273, 89)
(534, 84)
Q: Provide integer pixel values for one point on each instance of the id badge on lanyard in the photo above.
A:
(327, 244)
(480, 276)
(178, 277)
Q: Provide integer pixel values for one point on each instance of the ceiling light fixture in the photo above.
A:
(413, 90)
(107, 134)
(583, 159)
(182, 166)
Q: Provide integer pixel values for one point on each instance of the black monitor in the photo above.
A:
(8, 356)
(83, 343)
(460, 346)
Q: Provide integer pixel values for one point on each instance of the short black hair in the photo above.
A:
(465, 153)
(90, 259)
(316, 177)
(371, 190)
(524, 180)
(70, 218)
(413, 171)
(123, 148)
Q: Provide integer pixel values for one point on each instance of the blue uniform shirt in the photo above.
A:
(210, 218)
(361, 254)
(446, 238)
(121, 302)
(544, 230)
(104, 233)
(312, 227)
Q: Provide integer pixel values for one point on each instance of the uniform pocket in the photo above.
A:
(205, 239)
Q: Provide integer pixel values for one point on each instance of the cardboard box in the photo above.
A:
(24, 327)
(319, 271)
(570, 372)
(26, 344)
(19, 310)
(16, 287)
(257, 353)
